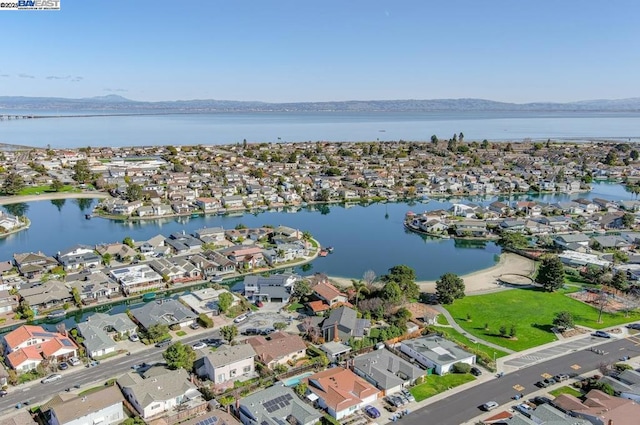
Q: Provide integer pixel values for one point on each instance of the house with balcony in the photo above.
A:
(34, 264)
(78, 257)
(274, 288)
(43, 296)
(136, 279)
(27, 346)
(246, 258)
(343, 324)
(228, 364)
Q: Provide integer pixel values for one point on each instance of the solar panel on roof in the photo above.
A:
(67, 343)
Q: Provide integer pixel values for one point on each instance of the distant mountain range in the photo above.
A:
(120, 105)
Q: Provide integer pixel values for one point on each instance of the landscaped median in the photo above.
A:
(529, 312)
(435, 384)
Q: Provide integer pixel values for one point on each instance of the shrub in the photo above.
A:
(205, 320)
(461, 368)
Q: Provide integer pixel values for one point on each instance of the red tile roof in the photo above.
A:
(340, 388)
(21, 355)
(327, 291)
(25, 333)
(318, 306)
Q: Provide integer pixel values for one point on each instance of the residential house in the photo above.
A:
(274, 288)
(387, 371)
(102, 407)
(138, 278)
(578, 259)
(212, 235)
(213, 417)
(611, 242)
(280, 349)
(8, 302)
(118, 251)
(473, 228)
(93, 287)
(344, 324)
(612, 220)
(276, 405)
(340, 391)
(329, 294)
(154, 246)
(32, 265)
(183, 243)
(600, 408)
(572, 241)
(166, 312)
(436, 353)
(27, 346)
(161, 392)
(212, 263)
(228, 364)
(96, 332)
(205, 301)
(42, 296)
(21, 417)
(245, 258)
(78, 257)
(335, 350)
(545, 414)
(208, 204)
(233, 202)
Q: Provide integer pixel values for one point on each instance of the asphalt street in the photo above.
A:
(465, 405)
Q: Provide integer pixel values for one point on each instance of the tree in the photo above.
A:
(81, 171)
(619, 281)
(106, 259)
(434, 140)
(134, 192)
(301, 289)
(405, 277)
(24, 311)
(628, 220)
(392, 293)
(513, 240)
(229, 332)
(157, 332)
(76, 297)
(551, 273)
(128, 242)
(179, 355)
(449, 288)
(13, 183)
(56, 185)
(301, 389)
(224, 301)
(563, 320)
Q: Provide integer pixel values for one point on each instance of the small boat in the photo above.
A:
(194, 215)
(149, 297)
(323, 253)
(56, 314)
(329, 249)
(88, 216)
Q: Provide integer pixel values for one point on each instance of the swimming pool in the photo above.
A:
(295, 380)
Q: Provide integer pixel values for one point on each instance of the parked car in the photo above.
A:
(561, 377)
(163, 343)
(542, 384)
(267, 331)
(259, 304)
(199, 345)
(240, 319)
(523, 408)
(550, 381)
(74, 361)
(490, 405)
(137, 367)
(635, 326)
(408, 395)
(134, 338)
(372, 411)
(250, 331)
(212, 342)
(63, 366)
(541, 400)
(51, 378)
(475, 371)
(194, 325)
(601, 334)
(3, 393)
(393, 400)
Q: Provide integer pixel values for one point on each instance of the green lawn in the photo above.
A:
(565, 390)
(37, 190)
(295, 307)
(442, 320)
(531, 311)
(435, 384)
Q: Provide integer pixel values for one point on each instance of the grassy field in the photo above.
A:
(435, 384)
(37, 190)
(565, 390)
(531, 311)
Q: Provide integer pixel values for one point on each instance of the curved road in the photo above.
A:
(464, 406)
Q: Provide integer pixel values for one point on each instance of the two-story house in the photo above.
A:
(27, 346)
(279, 349)
(228, 364)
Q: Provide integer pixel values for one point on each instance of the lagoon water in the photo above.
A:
(227, 128)
(364, 237)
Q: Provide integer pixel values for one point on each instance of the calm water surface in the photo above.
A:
(225, 128)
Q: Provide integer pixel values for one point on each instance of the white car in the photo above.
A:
(51, 378)
(240, 319)
(199, 345)
(490, 405)
(134, 338)
(74, 361)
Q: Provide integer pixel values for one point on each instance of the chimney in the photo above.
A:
(390, 366)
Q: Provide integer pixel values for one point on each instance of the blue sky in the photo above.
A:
(298, 50)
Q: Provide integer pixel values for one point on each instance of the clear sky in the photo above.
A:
(304, 50)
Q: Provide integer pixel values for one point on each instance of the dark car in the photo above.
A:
(372, 411)
(3, 393)
(601, 334)
(475, 371)
(541, 400)
(163, 343)
(63, 366)
(542, 384)
(635, 326)
(267, 331)
(251, 331)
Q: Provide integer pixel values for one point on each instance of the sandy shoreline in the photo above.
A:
(5, 200)
(481, 280)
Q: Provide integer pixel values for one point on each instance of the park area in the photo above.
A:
(530, 311)
(435, 384)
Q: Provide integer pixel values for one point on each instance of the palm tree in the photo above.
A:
(359, 287)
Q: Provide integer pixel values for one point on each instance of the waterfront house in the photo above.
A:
(32, 265)
(9, 222)
(103, 407)
(208, 204)
(572, 241)
(118, 251)
(166, 312)
(344, 324)
(42, 296)
(245, 258)
(274, 288)
(27, 346)
(281, 348)
(470, 228)
(387, 371)
(340, 391)
(77, 257)
(212, 235)
(205, 301)
(437, 353)
(98, 328)
(276, 405)
(228, 364)
(329, 294)
(139, 278)
(212, 263)
(155, 246)
(233, 202)
(95, 286)
(630, 206)
(161, 392)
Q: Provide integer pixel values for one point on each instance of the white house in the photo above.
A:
(229, 364)
(102, 407)
(436, 352)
